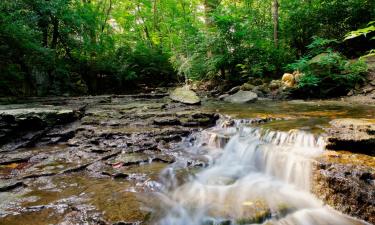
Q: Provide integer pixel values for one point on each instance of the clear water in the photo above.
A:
(252, 176)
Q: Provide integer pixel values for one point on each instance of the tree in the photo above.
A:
(275, 14)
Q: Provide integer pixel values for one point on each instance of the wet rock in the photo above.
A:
(57, 135)
(164, 159)
(130, 159)
(223, 96)
(122, 126)
(169, 138)
(169, 121)
(185, 96)
(15, 158)
(22, 126)
(233, 90)
(357, 135)
(120, 176)
(348, 188)
(127, 223)
(242, 97)
(10, 185)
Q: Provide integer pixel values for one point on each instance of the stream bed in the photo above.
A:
(146, 160)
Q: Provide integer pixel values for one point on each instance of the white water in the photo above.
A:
(259, 177)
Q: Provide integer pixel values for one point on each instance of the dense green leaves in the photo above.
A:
(327, 72)
(364, 31)
(50, 47)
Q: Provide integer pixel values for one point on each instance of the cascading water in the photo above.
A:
(253, 177)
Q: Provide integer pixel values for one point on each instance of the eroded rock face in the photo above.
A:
(344, 182)
(242, 97)
(356, 135)
(24, 125)
(184, 95)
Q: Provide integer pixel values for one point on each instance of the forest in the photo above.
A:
(91, 47)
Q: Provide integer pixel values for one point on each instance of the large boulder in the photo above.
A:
(242, 97)
(357, 135)
(184, 95)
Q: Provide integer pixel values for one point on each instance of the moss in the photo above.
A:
(259, 217)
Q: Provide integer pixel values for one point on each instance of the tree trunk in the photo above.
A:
(107, 15)
(209, 7)
(155, 14)
(275, 15)
(55, 34)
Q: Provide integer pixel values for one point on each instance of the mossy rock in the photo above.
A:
(247, 87)
(184, 95)
(242, 97)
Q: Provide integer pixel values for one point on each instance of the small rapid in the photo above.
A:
(250, 176)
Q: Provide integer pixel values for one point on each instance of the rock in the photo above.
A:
(10, 185)
(242, 97)
(262, 90)
(25, 124)
(257, 81)
(275, 84)
(288, 80)
(247, 87)
(368, 89)
(130, 159)
(357, 135)
(120, 176)
(166, 121)
(221, 97)
(317, 58)
(233, 90)
(347, 188)
(185, 96)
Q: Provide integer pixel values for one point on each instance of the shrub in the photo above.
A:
(329, 73)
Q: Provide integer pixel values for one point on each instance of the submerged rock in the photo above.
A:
(242, 97)
(185, 96)
(356, 135)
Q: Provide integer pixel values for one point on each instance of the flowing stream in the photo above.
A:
(252, 176)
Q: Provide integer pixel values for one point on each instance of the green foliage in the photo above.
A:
(320, 45)
(104, 46)
(328, 19)
(361, 32)
(328, 73)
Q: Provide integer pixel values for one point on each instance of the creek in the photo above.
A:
(142, 160)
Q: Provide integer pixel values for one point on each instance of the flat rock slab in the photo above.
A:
(242, 97)
(185, 96)
(357, 135)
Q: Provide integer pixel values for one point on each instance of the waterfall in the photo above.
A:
(254, 176)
